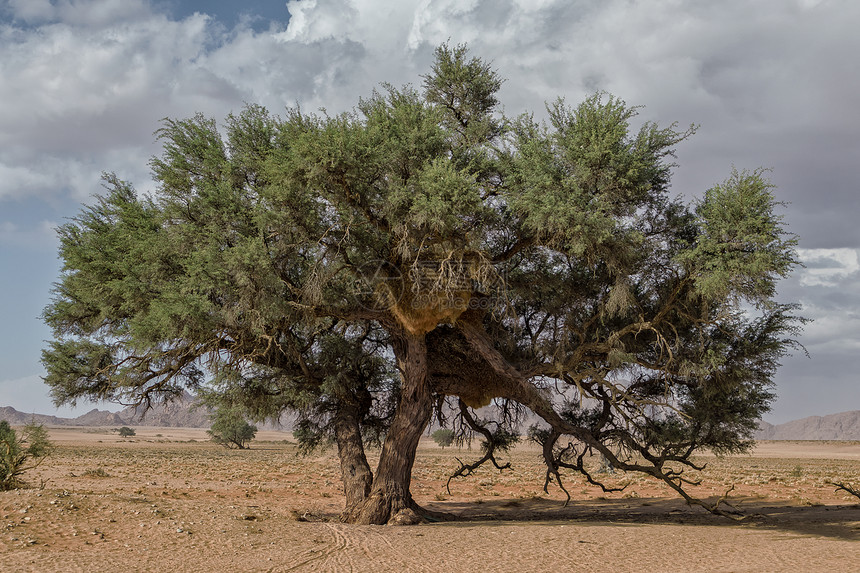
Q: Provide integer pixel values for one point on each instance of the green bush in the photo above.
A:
(443, 437)
(230, 429)
(21, 453)
(126, 432)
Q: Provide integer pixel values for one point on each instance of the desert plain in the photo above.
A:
(167, 499)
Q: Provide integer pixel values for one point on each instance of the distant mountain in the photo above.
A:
(16, 418)
(183, 412)
(842, 426)
(186, 412)
(98, 418)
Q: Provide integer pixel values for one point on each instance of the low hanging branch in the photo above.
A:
(846, 487)
(555, 459)
(491, 444)
(675, 481)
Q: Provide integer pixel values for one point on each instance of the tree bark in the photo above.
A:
(354, 469)
(389, 496)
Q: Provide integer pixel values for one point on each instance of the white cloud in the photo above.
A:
(808, 4)
(77, 12)
(85, 84)
(831, 331)
(76, 94)
(311, 21)
(828, 267)
(67, 85)
(31, 10)
(97, 75)
(79, 91)
(828, 289)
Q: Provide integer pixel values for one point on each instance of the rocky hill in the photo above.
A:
(185, 412)
(842, 426)
(17, 418)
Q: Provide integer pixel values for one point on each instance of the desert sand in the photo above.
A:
(169, 500)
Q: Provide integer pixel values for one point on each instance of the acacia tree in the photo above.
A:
(230, 429)
(366, 268)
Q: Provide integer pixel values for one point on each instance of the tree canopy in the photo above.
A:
(366, 269)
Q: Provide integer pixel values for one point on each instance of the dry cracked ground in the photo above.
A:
(168, 500)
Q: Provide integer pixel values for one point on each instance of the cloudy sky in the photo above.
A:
(772, 83)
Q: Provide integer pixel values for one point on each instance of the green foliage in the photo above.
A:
(464, 89)
(230, 429)
(311, 436)
(538, 434)
(21, 453)
(579, 182)
(443, 437)
(503, 440)
(126, 432)
(743, 248)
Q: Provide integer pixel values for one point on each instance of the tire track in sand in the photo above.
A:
(354, 548)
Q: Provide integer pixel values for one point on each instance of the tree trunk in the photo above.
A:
(389, 495)
(354, 469)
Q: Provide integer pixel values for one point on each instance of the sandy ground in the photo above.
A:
(168, 500)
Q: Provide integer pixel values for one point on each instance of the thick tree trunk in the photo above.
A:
(389, 495)
(354, 469)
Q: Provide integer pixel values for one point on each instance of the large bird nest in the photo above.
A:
(435, 292)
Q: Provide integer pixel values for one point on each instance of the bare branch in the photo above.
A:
(489, 455)
(846, 487)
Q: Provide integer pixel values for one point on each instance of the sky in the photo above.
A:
(771, 83)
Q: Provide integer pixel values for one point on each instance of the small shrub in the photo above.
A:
(98, 472)
(444, 437)
(126, 432)
(21, 453)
